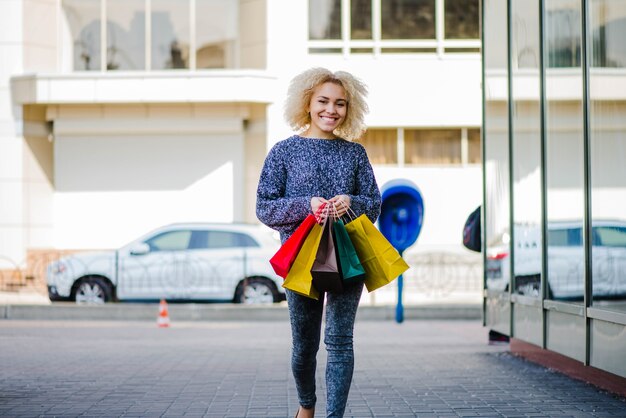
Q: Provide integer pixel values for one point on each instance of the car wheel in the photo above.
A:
(92, 290)
(256, 290)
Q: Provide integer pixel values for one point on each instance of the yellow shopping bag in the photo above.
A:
(299, 278)
(382, 262)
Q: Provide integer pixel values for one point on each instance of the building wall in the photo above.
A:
(95, 141)
(11, 145)
(27, 43)
(123, 170)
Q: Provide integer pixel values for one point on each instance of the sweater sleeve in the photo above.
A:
(273, 208)
(366, 198)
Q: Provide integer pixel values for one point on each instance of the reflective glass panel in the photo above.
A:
(361, 19)
(408, 19)
(497, 190)
(608, 31)
(462, 19)
(324, 19)
(563, 34)
(608, 154)
(126, 35)
(82, 18)
(496, 211)
(526, 148)
(217, 30)
(565, 152)
(170, 34)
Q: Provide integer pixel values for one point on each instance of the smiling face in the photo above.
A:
(328, 108)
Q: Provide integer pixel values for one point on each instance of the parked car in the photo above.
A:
(566, 263)
(186, 262)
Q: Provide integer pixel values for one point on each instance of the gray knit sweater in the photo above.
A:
(298, 168)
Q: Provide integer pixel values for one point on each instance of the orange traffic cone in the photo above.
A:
(163, 320)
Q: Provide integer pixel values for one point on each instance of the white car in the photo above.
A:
(566, 262)
(186, 262)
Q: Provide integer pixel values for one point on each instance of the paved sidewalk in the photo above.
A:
(241, 369)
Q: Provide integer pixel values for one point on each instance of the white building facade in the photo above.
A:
(166, 112)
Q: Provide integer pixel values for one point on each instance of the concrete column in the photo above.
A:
(28, 42)
(11, 143)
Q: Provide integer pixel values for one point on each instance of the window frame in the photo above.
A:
(193, 16)
(463, 138)
(439, 45)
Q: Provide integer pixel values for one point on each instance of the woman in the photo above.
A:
(320, 166)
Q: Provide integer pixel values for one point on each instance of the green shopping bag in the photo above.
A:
(352, 270)
(381, 260)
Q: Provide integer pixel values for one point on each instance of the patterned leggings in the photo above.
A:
(306, 321)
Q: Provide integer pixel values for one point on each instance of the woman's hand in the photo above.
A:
(341, 204)
(317, 204)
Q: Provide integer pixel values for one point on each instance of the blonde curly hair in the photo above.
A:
(299, 96)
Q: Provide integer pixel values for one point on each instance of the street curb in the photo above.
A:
(220, 312)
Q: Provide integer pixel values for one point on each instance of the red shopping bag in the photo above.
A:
(286, 254)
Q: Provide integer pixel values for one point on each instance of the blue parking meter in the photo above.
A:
(400, 221)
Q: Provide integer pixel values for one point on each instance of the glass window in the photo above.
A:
(611, 236)
(170, 34)
(408, 50)
(413, 22)
(525, 32)
(565, 237)
(226, 239)
(324, 19)
(381, 145)
(563, 33)
(496, 168)
(325, 51)
(497, 213)
(496, 50)
(608, 20)
(170, 241)
(217, 30)
(82, 18)
(608, 148)
(126, 35)
(199, 240)
(474, 149)
(461, 19)
(408, 19)
(432, 146)
(527, 210)
(564, 151)
(361, 19)
(247, 241)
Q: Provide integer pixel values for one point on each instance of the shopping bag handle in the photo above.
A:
(324, 208)
(349, 212)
